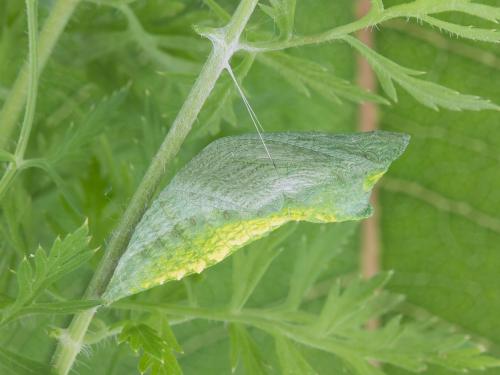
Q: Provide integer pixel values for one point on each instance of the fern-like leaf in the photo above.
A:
(157, 350)
(15, 364)
(244, 350)
(413, 345)
(428, 93)
(291, 360)
(467, 32)
(43, 269)
(305, 75)
(283, 14)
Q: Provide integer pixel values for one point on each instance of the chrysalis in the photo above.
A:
(232, 193)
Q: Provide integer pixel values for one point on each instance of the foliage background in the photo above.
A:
(107, 99)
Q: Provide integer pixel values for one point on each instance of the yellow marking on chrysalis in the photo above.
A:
(218, 255)
(371, 180)
(178, 275)
(225, 240)
(199, 266)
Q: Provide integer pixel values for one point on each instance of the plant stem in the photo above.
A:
(336, 33)
(260, 319)
(52, 29)
(29, 114)
(375, 16)
(224, 46)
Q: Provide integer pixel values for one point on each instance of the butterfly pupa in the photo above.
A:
(231, 193)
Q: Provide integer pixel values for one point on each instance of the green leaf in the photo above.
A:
(68, 254)
(112, 2)
(6, 156)
(468, 358)
(411, 345)
(291, 360)
(414, 346)
(156, 349)
(428, 93)
(283, 14)
(310, 262)
(485, 11)
(151, 46)
(445, 252)
(232, 194)
(354, 306)
(245, 351)
(34, 276)
(217, 9)
(468, 32)
(16, 364)
(77, 136)
(423, 7)
(305, 75)
(249, 267)
(361, 367)
(377, 6)
(25, 280)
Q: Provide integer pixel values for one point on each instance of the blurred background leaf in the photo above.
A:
(445, 253)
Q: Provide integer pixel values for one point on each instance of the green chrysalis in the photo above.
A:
(232, 193)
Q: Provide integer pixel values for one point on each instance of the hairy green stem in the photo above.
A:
(376, 16)
(52, 29)
(371, 19)
(225, 43)
(29, 114)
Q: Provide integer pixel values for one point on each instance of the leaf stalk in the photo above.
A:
(29, 114)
